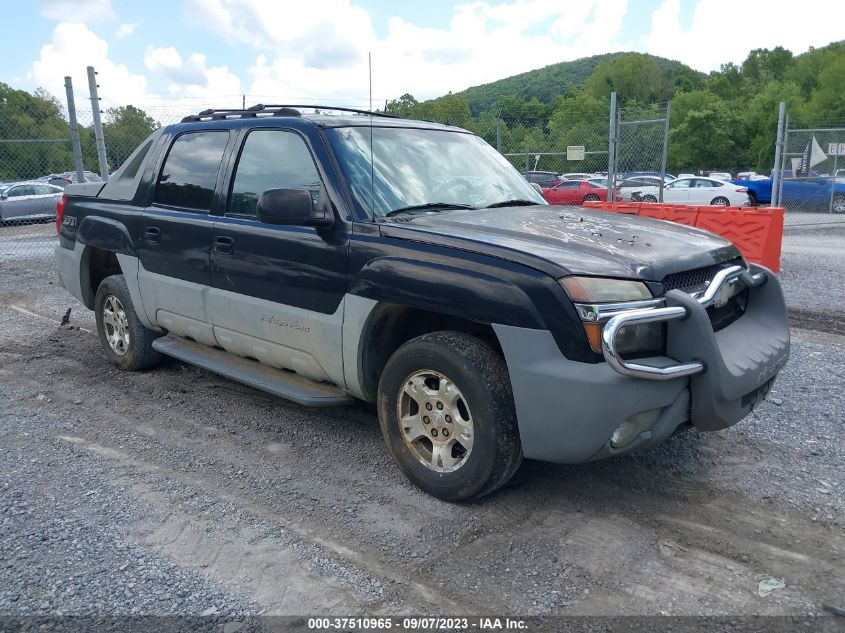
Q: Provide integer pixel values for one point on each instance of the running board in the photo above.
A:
(279, 382)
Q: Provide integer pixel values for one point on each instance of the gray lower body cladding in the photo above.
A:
(568, 410)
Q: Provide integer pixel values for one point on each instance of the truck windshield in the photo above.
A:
(425, 170)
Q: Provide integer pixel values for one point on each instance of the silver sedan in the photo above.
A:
(28, 200)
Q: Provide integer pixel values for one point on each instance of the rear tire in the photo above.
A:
(720, 201)
(127, 343)
(591, 196)
(838, 205)
(447, 415)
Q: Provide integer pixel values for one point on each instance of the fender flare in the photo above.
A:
(446, 289)
(107, 235)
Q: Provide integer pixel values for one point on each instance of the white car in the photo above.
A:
(705, 191)
(644, 188)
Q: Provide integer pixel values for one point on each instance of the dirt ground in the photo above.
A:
(254, 505)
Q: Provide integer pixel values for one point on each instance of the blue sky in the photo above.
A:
(183, 53)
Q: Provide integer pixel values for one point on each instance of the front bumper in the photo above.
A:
(567, 411)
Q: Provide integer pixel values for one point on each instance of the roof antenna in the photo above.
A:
(370, 58)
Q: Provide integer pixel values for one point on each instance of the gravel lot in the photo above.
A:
(175, 491)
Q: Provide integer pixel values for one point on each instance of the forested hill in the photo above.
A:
(545, 84)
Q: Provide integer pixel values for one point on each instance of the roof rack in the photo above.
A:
(269, 110)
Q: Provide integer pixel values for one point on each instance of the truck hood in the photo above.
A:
(573, 240)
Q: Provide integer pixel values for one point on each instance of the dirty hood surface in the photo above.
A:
(577, 240)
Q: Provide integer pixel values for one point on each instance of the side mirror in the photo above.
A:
(292, 207)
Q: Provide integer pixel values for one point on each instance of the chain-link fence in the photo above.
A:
(551, 148)
(811, 184)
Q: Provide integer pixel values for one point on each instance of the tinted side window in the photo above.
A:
(271, 159)
(189, 173)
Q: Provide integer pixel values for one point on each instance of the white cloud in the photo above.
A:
(82, 11)
(724, 31)
(72, 49)
(323, 55)
(190, 77)
(126, 29)
(192, 85)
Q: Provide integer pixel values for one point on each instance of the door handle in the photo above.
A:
(152, 235)
(224, 245)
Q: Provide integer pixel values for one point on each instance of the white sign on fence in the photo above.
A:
(575, 152)
(836, 149)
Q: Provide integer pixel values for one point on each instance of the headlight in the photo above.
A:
(592, 296)
(602, 290)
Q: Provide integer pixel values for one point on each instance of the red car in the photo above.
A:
(574, 192)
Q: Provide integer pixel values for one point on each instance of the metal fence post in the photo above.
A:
(833, 180)
(783, 153)
(74, 131)
(665, 154)
(776, 175)
(498, 135)
(527, 169)
(611, 149)
(98, 124)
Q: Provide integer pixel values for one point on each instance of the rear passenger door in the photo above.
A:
(175, 275)
(278, 290)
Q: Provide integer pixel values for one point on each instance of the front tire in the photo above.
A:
(447, 415)
(648, 198)
(591, 197)
(838, 205)
(127, 343)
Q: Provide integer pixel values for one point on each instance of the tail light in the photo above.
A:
(60, 211)
(742, 189)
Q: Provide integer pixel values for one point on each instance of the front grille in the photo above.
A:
(692, 280)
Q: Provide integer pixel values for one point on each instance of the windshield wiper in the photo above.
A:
(519, 202)
(428, 206)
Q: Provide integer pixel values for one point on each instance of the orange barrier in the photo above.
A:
(756, 231)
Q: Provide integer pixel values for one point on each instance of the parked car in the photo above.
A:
(66, 177)
(705, 191)
(814, 191)
(28, 200)
(578, 176)
(646, 188)
(574, 192)
(55, 179)
(293, 253)
(719, 175)
(542, 178)
(650, 174)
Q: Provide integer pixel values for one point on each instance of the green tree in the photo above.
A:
(26, 119)
(706, 133)
(404, 106)
(634, 77)
(827, 102)
(125, 129)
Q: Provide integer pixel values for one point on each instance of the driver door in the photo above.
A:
(277, 290)
(678, 191)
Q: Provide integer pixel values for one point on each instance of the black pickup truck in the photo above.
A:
(326, 257)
